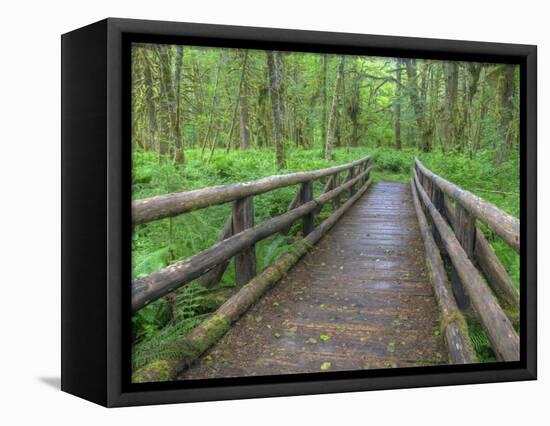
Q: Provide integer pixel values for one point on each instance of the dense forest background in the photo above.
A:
(204, 116)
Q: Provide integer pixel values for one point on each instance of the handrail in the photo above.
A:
(162, 206)
(501, 223)
(452, 320)
(160, 283)
(502, 336)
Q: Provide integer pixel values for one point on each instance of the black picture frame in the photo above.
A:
(96, 225)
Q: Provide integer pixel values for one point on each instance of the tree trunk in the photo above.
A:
(170, 96)
(325, 100)
(505, 92)
(244, 116)
(179, 156)
(397, 112)
(333, 119)
(151, 112)
(275, 81)
(237, 101)
(451, 93)
(213, 106)
(418, 104)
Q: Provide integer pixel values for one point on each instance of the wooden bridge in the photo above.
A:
(367, 288)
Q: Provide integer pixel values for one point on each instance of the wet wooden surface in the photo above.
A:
(361, 299)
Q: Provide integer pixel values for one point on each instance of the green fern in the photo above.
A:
(481, 343)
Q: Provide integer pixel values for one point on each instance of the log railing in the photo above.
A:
(240, 234)
(454, 228)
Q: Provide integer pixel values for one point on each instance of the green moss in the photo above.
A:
(156, 371)
(457, 317)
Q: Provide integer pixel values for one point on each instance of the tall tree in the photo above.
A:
(505, 93)
(150, 102)
(243, 107)
(274, 65)
(333, 119)
(354, 104)
(169, 95)
(324, 83)
(418, 98)
(179, 150)
(397, 105)
(214, 105)
(451, 106)
(237, 100)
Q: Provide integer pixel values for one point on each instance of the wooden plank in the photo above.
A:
(160, 283)
(504, 339)
(454, 325)
(501, 223)
(245, 260)
(168, 205)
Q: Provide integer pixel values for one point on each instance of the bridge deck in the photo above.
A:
(360, 299)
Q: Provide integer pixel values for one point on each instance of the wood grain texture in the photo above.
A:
(360, 299)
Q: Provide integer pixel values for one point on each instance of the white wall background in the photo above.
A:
(30, 210)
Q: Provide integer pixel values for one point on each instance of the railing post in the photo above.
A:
(438, 200)
(366, 177)
(351, 175)
(335, 184)
(465, 229)
(306, 194)
(245, 261)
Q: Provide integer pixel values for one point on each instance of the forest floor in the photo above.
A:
(163, 242)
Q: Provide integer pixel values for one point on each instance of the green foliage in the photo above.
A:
(481, 343)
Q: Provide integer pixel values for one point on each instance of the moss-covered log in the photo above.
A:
(212, 300)
(160, 283)
(168, 205)
(501, 223)
(453, 325)
(191, 346)
(504, 339)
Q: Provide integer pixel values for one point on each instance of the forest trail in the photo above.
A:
(361, 299)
